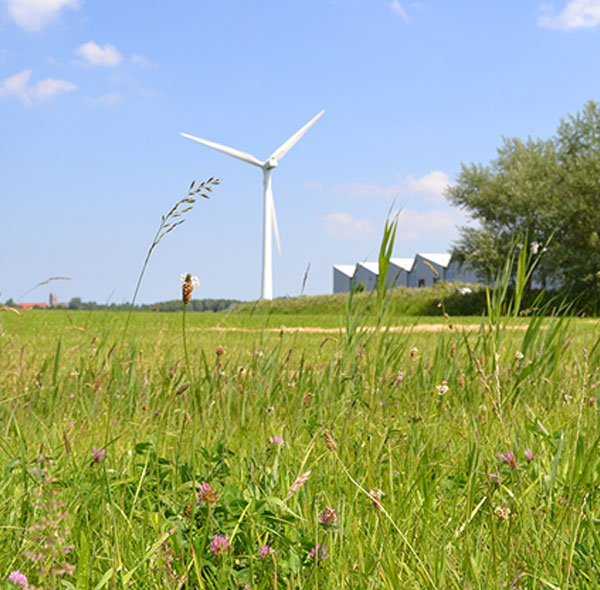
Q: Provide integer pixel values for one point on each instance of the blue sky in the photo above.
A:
(93, 96)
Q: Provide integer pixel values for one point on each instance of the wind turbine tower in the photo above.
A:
(270, 219)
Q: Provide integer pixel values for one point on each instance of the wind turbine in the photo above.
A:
(270, 220)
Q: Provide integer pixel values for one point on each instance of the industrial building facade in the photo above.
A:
(423, 270)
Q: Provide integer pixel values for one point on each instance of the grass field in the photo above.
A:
(465, 457)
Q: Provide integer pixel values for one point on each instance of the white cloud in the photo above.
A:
(315, 186)
(108, 100)
(140, 60)
(441, 223)
(431, 186)
(34, 15)
(345, 227)
(16, 86)
(577, 14)
(49, 87)
(95, 55)
(397, 8)
(19, 87)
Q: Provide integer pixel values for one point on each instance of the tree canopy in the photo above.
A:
(547, 190)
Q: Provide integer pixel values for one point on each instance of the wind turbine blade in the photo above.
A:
(227, 150)
(275, 228)
(291, 142)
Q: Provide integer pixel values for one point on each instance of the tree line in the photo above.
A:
(173, 305)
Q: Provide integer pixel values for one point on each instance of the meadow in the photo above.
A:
(351, 455)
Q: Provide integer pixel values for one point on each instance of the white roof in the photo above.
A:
(442, 260)
(370, 266)
(403, 263)
(346, 269)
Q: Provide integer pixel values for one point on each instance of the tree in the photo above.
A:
(75, 303)
(578, 209)
(546, 190)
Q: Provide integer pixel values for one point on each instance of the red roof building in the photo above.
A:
(32, 305)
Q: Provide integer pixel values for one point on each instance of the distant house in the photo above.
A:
(342, 277)
(398, 274)
(366, 273)
(428, 269)
(32, 305)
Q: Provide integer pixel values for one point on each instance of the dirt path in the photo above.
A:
(408, 328)
(314, 330)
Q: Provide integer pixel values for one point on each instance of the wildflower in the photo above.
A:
(297, 485)
(442, 389)
(329, 516)
(265, 551)
(453, 351)
(528, 455)
(98, 454)
(220, 350)
(519, 356)
(397, 379)
(510, 459)
(206, 494)
(592, 401)
(220, 544)
(503, 512)
(496, 477)
(376, 496)
(318, 553)
(414, 351)
(329, 441)
(306, 398)
(18, 579)
(462, 381)
(189, 282)
(277, 441)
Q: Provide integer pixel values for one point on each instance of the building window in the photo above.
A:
(436, 280)
(421, 282)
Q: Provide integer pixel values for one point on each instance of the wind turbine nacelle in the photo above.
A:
(271, 163)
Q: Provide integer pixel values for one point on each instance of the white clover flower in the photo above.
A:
(502, 512)
(441, 389)
(376, 495)
(519, 356)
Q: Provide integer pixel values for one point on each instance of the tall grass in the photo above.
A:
(428, 472)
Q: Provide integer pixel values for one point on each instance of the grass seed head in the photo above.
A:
(297, 485)
(189, 282)
(329, 441)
